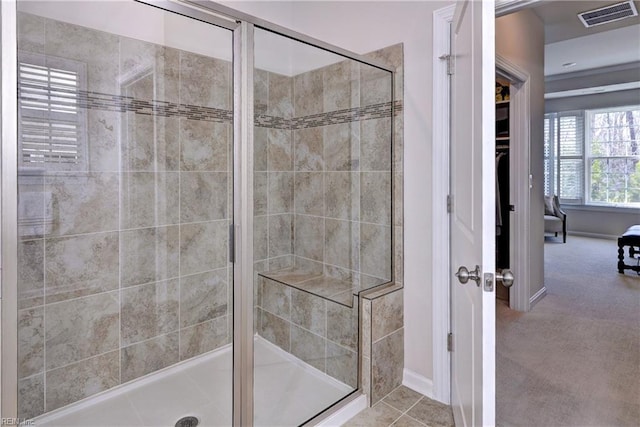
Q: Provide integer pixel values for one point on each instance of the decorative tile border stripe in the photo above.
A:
(369, 112)
(123, 104)
(95, 100)
(271, 122)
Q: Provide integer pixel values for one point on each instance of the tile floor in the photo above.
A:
(202, 388)
(404, 407)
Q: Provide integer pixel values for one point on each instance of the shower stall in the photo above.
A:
(194, 202)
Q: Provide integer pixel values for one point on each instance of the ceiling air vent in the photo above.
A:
(604, 15)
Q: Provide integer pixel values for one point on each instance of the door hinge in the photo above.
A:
(450, 63)
(232, 244)
(450, 342)
(449, 203)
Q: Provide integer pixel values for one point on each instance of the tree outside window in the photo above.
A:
(593, 157)
(614, 156)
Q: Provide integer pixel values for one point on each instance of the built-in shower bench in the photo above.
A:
(330, 288)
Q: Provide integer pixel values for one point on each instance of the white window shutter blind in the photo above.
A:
(571, 156)
(549, 154)
(51, 122)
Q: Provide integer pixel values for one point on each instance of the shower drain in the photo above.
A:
(187, 422)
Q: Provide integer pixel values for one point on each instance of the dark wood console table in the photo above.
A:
(630, 238)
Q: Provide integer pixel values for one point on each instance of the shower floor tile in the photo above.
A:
(288, 392)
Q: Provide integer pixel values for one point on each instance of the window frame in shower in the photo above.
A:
(241, 246)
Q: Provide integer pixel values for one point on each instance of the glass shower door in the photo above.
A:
(322, 221)
(125, 179)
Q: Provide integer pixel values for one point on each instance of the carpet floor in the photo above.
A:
(574, 359)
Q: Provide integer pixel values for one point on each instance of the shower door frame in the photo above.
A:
(241, 246)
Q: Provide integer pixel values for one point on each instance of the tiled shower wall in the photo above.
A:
(323, 204)
(382, 311)
(123, 265)
(323, 171)
(123, 256)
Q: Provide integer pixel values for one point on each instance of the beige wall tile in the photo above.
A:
(275, 330)
(309, 193)
(341, 195)
(279, 150)
(309, 311)
(148, 311)
(342, 147)
(308, 147)
(30, 342)
(148, 255)
(84, 203)
(149, 356)
(387, 314)
(204, 146)
(203, 297)
(375, 241)
(342, 325)
(387, 358)
(280, 235)
(375, 148)
(30, 273)
(309, 237)
(275, 298)
(280, 192)
(308, 93)
(205, 81)
(31, 396)
(203, 246)
(81, 328)
(375, 197)
(79, 380)
(309, 347)
(342, 364)
(204, 196)
(280, 96)
(94, 266)
(204, 337)
(149, 199)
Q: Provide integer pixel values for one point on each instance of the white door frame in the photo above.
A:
(520, 177)
(440, 226)
(520, 194)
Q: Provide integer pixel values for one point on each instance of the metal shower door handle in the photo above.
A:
(464, 275)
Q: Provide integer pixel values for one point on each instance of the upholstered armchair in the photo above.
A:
(555, 220)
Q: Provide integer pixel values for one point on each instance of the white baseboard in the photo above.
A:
(537, 296)
(344, 414)
(417, 382)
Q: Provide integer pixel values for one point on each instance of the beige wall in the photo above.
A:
(520, 40)
(585, 102)
(600, 221)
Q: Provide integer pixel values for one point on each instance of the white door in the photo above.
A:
(473, 213)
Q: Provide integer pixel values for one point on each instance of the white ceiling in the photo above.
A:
(614, 47)
(567, 40)
(561, 18)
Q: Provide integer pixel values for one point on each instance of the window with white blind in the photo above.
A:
(52, 126)
(613, 156)
(593, 157)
